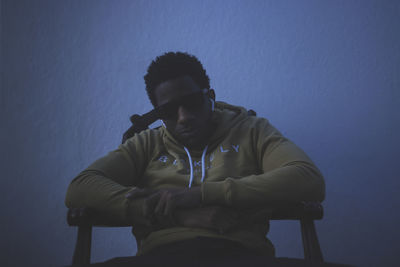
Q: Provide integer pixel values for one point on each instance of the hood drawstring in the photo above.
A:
(191, 167)
(203, 168)
(203, 164)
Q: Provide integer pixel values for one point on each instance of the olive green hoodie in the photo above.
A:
(248, 165)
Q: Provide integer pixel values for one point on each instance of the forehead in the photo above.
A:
(173, 89)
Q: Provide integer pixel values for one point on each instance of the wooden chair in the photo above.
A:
(304, 212)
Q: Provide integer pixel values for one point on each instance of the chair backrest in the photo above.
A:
(139, 123)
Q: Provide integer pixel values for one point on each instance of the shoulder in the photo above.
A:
(257, 124)
(145, 141)
(240, 115)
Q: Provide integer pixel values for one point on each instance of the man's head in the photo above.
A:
(179, 88)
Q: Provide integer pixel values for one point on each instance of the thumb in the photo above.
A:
(138, 193)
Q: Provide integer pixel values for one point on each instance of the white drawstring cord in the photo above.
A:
(203, 165)
(191, 167)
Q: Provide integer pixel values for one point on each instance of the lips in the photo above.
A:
(188, 132)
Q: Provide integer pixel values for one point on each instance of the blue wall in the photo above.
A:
(326, 73)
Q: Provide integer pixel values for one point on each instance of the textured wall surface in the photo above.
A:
(326, 73)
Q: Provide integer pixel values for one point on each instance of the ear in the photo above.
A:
(211, 94)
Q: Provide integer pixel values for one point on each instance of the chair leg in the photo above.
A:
(312, 249)
(83, 246)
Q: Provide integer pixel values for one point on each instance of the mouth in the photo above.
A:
(185, 133)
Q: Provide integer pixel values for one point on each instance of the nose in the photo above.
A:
(184, 115)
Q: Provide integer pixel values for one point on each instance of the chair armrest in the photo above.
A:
(90, 217)
(85, 219)
(306, 213)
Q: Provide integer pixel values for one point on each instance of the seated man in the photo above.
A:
(204, 181)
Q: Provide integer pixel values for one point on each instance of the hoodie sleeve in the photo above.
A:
(104, 184)
(287, 175)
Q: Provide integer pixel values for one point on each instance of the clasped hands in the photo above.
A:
(183, 207)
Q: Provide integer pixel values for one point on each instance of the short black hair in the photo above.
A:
(172, 65)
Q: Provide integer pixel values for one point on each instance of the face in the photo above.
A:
(186, 110)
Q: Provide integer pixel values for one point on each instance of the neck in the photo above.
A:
(205, 138)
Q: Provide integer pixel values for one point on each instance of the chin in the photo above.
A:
(190, 142)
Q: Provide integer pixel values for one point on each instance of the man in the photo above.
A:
(205, 180)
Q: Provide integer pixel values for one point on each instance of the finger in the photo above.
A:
(159, 209)
(138, 193)
(150, 203)
(172, 219)
(169, 206)
(73, 213)
(82, 212)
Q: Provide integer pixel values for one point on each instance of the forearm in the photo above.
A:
(288, 175)
(103, 185)
(91, 189)
(296, 181)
